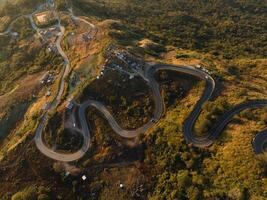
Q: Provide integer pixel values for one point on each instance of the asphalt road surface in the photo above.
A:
(38, 135)
(259, 141)
(199, 141)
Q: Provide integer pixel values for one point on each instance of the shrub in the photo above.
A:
(29, 193)
(43, 197)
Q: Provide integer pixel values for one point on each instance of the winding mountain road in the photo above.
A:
(38, 135)
(52, 105)
(199, 141)
(259, 141)
(190, 137)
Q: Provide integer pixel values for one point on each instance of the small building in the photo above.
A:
(84, 177)
(48, 94)
(14, 34)
(86, 37)
(45, 17)
(52, 28)
(44, 77)
(120, 56)
(46, 106)
(69, 105)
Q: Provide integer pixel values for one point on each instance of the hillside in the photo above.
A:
(224, 28)
(97, 104)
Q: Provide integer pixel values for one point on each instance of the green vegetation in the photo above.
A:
(123, 35)
(131, 104)
(31, 193)
(228, 28)
(10, 8)
(50, 19)
(185, 172)
(22, 57)
(14, 114)
(63, 136)
(23, 27)
(226, 37)
(214, 110)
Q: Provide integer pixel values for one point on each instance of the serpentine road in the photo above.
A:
(199, 141)
(190, 137)
(38, 135)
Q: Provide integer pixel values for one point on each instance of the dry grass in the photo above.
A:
(24, 89)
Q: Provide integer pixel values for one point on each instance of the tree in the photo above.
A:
(27, 194)
(183, 179)
(193, 193)
(43, 197)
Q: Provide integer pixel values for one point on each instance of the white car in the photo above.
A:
(206, 77)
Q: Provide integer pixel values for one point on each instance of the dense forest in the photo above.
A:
(227, 28)
(222, 27)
